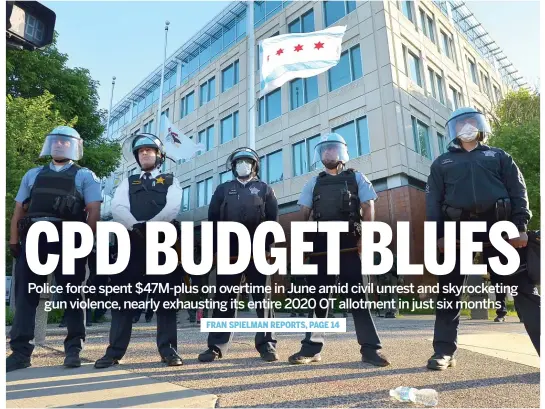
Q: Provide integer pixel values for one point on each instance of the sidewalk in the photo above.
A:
(486, 376)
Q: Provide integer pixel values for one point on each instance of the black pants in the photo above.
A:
(502, 311)
(22, 330)
(121, 325)
(527, 302)
(220, 341)
(350, 272)
(121, 331)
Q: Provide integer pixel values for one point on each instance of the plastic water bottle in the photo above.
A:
(426, 397)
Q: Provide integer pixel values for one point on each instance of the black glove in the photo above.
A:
(15, 250)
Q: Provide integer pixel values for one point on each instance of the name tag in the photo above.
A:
(136, 182)
(232, 192)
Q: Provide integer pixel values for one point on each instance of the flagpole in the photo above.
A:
(251, 74)
(158, 124)
(110, 110)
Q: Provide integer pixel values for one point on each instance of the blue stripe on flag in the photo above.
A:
(299, 66)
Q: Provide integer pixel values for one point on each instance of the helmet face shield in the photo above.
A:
(467, 126)
(330, 153)
(62, 147)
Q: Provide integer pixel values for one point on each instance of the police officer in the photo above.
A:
(338, 194)
(147, 196)
(476, 182)
(247, 200)
(59, 191)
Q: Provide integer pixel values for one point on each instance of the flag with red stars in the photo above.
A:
(299, 55)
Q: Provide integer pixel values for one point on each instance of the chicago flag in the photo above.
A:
(299, 55)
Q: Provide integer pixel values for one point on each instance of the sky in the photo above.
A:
(125, 39)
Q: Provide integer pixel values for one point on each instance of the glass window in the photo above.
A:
(423, 25)
(308, 22)
(300, 164)
(186, 196)
(363, 136)
(190, 102)
(259, 12)
(211, 88)
(229, 127)
(229, 76)
(274, 165)
(304, 24)
(407, 10)
(204, 94)
(229, 36)
(204, 192)
(432, 83)
(263, 169)
(339, 75)
(421, 138)
(241, 27)
(473, 71)
(135, 110)
(226, 176)
(210, 138)
(445, 44)
(347, 70)
(431, 29)
(296, 93)
(497, 94)
(164, 115)
(414, 68)
(455, 98)
(355, 57)
(202, 139)
(216, 46)
(335, 10)
(441, 142)
(440, 89)
(270, 106)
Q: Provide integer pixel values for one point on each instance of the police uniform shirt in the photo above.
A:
(121, 207)
(366, 191)
(87, 184)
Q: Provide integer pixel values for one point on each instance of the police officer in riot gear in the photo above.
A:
(338, 194)
(476, 182)
(148, 196)
(247, 200)
(57, 192)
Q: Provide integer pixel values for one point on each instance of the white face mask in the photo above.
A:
(468, 133)
(243, 169)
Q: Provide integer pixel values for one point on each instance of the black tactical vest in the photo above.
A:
(244, 203)
(148, 197)
(335, 198)
(49, 188)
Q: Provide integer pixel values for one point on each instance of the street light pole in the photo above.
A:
(159, 106)
(110, 110)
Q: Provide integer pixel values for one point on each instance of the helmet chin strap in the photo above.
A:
(63, 160)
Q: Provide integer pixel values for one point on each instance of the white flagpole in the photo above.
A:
(251, 74)
(110, 110)
(158, 124)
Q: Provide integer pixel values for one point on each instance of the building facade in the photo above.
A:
(404, 67)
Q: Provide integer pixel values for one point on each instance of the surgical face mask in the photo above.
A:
(468, 133)
(243, 168)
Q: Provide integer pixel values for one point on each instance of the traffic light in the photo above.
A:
(29, 25)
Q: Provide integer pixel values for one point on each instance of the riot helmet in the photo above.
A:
(331, 151)
(467, 125)
(63, 144)
(242, 162)
(148, 140)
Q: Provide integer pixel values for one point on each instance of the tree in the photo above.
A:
(515, 129)
(30, 73)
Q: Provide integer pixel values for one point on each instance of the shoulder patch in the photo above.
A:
(490, 153)
(87, 170)
(446, 161)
